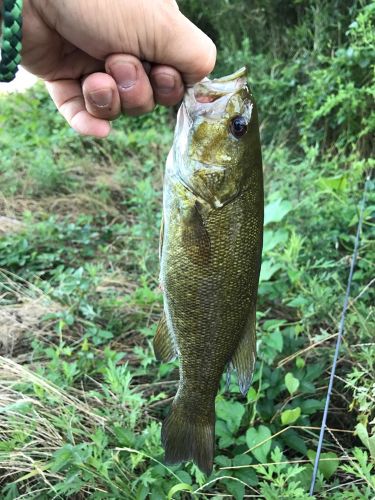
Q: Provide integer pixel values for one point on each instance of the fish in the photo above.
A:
(210, 257)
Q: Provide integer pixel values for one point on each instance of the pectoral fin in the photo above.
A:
(163, 344)
(195, 237)
(244, 357)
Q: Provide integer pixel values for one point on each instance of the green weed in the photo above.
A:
(82, 396)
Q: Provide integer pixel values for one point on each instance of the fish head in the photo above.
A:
(216, 145)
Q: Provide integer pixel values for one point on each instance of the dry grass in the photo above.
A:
(9, 225)
(84, 196)
(36, 425)
(22, 309)
(84, 202)
(15, 207)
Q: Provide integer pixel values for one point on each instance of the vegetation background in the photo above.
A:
(81, 395)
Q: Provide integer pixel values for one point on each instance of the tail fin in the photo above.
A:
(187, 437)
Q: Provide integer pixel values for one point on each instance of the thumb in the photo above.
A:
(181, 44)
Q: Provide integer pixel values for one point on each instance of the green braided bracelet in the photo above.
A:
(12, 39)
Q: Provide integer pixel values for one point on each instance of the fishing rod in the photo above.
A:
(339, 337)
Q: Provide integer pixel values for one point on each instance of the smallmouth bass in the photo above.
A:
(210, 256)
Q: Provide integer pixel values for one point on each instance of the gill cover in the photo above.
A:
(212, 138)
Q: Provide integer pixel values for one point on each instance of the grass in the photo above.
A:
(82, 396)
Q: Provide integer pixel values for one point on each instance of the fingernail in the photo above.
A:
(101, 98)
(125, 75)
(165, 83)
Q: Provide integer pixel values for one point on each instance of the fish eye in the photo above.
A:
(238, 126)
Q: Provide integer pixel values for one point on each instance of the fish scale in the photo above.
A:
(211, 245)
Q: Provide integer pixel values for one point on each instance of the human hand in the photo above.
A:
(103, 57)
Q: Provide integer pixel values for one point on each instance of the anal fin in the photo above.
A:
(163, 344)
(244, 357)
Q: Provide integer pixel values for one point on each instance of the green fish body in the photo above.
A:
(211, 245)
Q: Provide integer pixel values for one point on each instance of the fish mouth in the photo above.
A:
(242, 72)
(210, 96)
(218, 87)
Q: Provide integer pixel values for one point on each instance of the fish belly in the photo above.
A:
(208, 302)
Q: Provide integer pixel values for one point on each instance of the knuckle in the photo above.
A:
(166, 27)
